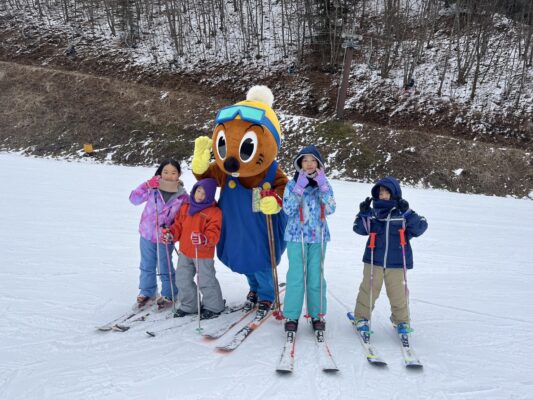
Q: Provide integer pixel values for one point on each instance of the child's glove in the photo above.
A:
(166, 236)
(201, 155)
(403, 205)
(153, 182)
(270, 202)
(301, 183)
(365, 205)
(321, 180)
(198, 239)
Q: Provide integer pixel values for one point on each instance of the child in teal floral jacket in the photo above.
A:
(308, 198)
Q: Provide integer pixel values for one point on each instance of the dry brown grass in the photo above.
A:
(55, 112)
(52, 112)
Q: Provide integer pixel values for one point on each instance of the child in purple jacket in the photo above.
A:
(164, 194)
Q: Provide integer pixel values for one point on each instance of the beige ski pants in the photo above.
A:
(394, 286)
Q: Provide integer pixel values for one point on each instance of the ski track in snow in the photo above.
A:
(69, 262)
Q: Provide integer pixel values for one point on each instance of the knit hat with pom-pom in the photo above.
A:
(257, 108)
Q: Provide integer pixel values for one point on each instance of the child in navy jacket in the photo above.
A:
(390, 214)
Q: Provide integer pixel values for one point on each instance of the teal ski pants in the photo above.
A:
(294, 295)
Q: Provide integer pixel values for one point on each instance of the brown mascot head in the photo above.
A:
(247, 136)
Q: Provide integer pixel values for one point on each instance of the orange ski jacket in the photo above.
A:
(208, 222)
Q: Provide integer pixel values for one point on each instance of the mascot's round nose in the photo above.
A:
(231, 165)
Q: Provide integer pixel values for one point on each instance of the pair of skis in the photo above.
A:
(121, 323)
(409, 357)
(219, 330)
(325, 358)
(138, 314)
(183, 321)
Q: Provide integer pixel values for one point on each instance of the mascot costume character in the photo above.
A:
(245, 143)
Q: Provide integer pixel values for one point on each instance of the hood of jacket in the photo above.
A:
(392, 184)
(210, 187)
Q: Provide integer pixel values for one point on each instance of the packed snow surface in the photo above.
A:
(69, 262)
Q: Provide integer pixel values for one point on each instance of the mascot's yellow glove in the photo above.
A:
(202, 154)
(270, 202)
(269, 205)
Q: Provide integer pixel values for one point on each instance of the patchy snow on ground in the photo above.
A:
(69, 262)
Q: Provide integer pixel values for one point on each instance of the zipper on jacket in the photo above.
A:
(386, 241)
(387, 235)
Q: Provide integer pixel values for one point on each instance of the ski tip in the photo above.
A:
(350, 316)
(223, 350)
(120, 328)
(151, 334)
(282, 371)
(104, 328)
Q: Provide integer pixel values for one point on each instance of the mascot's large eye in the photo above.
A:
(248, 146)
(221, 144)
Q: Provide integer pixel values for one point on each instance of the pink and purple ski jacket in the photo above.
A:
(167, 211)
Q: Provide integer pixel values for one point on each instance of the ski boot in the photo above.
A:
(362, 325)
(164, 302)
(179, 313)
(208, 314)
(291, 325)
(402, 328)
(142, 300)
(251, 301)
(263, 307)
(318, 324)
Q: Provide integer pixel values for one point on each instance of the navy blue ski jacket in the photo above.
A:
(386, 223)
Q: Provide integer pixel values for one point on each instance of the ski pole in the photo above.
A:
(199, 329)
(323, 225)
(277, 313)
(403, 242)
(371, 246)
(170, 276)
(304, 262)
(158, 266)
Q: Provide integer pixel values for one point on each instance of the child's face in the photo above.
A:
(199, 194)
(384, 193)
(309, 164)
(170, 173)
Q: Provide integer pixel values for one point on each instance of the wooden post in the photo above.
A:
(350, 44)
(341, 96)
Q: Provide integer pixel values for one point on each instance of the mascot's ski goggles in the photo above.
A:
(250, 114)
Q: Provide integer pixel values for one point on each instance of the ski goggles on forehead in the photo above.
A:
(250, 114)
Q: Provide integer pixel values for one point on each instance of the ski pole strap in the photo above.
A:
(402, 237)
(366, 223)
(372, 243)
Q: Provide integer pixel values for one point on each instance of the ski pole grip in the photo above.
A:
(402, 237)
(301, 215)
(322, 212)
(372, 244)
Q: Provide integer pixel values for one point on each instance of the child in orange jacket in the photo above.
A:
(197, 228)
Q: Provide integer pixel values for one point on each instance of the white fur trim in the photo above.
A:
(261, 93)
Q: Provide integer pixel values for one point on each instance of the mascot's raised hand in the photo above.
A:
(202, 154)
